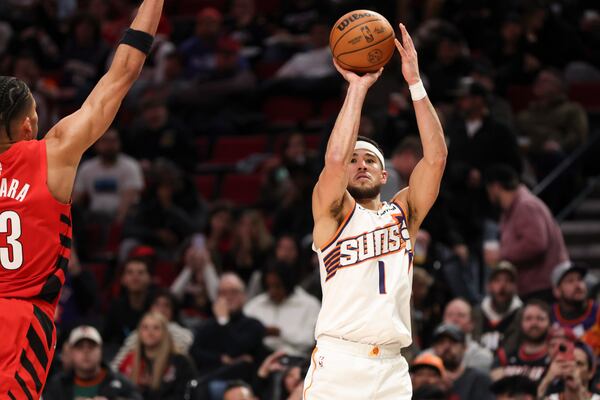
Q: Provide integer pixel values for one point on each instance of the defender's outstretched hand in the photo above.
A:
(410, 62)
(366, 80)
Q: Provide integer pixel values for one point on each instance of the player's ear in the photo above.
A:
(384, 177)
(27, 129)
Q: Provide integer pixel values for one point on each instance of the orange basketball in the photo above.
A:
(362, 41)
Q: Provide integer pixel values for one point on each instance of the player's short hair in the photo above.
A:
(15, 100)
(369, 140)
(502, 174)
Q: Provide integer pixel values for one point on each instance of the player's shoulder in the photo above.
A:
(400, 199)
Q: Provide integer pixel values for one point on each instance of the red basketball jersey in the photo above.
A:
(35, 228)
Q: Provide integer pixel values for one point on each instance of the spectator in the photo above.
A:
(238, 390)
(157, 369)
(449, 343)
(310, 72)
(84, 56)
(286, 310)
(460, 314)
(219, 232)
(530, 237)
(515, 388)
(555, 126)
(165, 304)
(135, 299)
(248, 28)
(89, 378)
(426, 312)
(497, 319)
(250, 246)
(204, 52)
(198, 274)
(427, 369)
(78, 298)
(156, 133)
(159, 221)
(573, 309)
(531, 358)
(111, 181)
(280, 376)
(575, 372)
(477, 141)
(230, 338)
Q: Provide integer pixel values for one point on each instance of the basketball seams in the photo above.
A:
(348, 31)
(366, 69)
(366, 47)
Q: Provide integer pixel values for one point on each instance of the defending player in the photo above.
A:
(36, 180)
(365, 251)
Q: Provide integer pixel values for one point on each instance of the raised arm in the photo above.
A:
(331, 201)
(74, 134)
(424, 183)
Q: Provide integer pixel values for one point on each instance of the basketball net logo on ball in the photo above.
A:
(362, 41)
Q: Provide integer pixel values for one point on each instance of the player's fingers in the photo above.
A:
(340, 69)
(400, 48)
(406, 39)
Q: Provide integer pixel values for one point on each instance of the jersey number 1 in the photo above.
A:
(11, 241)
(382, 277)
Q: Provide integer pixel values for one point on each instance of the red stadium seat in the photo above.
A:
(288, 109)
(241, 189)
(202, 148)
(267, 7)
(206, 185)
(519, 97)
(330, 108)
(229, 149)
(191, 7)
(586, 94)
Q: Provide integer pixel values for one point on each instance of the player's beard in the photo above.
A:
(364, 193)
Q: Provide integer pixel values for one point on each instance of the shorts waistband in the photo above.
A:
(359, 349)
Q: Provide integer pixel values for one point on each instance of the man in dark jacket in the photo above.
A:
(89, 377)
(230, 341)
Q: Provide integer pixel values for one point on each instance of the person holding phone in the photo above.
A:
(570, 374)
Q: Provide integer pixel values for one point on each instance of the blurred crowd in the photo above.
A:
(193, 275)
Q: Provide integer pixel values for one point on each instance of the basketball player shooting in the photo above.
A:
(365, 251)
(36, 181)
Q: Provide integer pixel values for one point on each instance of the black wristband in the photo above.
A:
(138, 39)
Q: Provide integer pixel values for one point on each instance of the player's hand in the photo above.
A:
(366, 81)
(410, 62)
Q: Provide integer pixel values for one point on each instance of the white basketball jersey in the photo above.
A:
(366, 276)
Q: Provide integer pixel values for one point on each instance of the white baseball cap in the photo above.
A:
(85, 332)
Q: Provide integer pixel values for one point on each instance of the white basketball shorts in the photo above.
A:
(346, 370)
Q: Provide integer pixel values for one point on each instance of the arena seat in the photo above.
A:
(206, 186)
(288, 109)
(586, 94)
(241, 188)
(229, 149)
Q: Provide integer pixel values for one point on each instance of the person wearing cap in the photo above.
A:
(570, 377)
(573, 308)
(496, 320)
(427, 370)
(530, 237)
(449, 343)
(459, 313)
(531, 357)
(89, 377)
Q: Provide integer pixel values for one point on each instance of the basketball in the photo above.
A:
(362, 41)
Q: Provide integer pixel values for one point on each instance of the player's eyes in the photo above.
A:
(352, 161)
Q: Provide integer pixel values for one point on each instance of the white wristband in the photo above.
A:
(417, 91)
